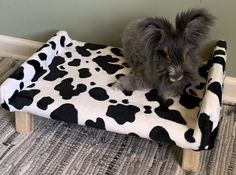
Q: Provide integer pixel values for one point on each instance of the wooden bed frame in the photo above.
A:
(25, 125)
(21, 49)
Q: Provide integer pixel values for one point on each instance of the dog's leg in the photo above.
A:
(130, 82)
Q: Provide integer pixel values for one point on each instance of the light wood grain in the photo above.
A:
(190, 160)
(24, 122)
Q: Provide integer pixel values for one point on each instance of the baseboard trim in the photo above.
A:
(229, 94)
(18, 48)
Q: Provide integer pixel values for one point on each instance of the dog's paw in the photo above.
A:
(123, 84)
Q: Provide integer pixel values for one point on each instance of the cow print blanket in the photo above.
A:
(71, 81)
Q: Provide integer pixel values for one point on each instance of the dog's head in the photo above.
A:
(174, 50)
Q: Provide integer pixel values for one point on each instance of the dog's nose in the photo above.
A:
(176, 77)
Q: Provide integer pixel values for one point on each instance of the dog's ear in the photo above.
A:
(154, 32)
(194, 25)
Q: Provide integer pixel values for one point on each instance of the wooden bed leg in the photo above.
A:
(190, 160)
(24, 122)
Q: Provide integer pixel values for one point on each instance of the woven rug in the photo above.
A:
(59, 148)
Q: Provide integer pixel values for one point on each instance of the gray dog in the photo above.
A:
(162, 56)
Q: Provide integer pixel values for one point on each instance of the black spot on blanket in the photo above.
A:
(5, 106)
(68, 54)
(219, 60)
(66, 112)
(127, 93)
(189, 99)
(215, 87)
(74, 62)
(160, 134)
(43, 46)
(92, 46)
(116, 52)
(31, 85)
(219, 52)
(44, 102)
(164, 112)
(148, 109)
(21, 85)
(205, 125)
(213, 137)
(42, 56)
(122, 113)
(82, 51)
(39, 71)
(23, 98)
(84, 73)
(107, 63)
(62, 41)
(112, 101)
(66, 89)
(188, 135)
(221, 44)
(18, 74)
(100, 124)
(54, 72)
(69, 45)
(125, 101)
(92, 83)
(53, 44)
(98, 93)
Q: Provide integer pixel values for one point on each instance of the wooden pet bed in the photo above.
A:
(72, 81)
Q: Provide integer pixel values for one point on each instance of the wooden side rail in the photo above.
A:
(24, 122)
(190, 160)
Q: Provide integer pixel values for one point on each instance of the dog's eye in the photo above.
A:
(161, 52)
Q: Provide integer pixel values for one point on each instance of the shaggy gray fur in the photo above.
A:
(163, 56)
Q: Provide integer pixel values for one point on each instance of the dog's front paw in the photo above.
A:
(123, 84)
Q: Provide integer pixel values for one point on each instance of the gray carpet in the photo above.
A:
(58, 148)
